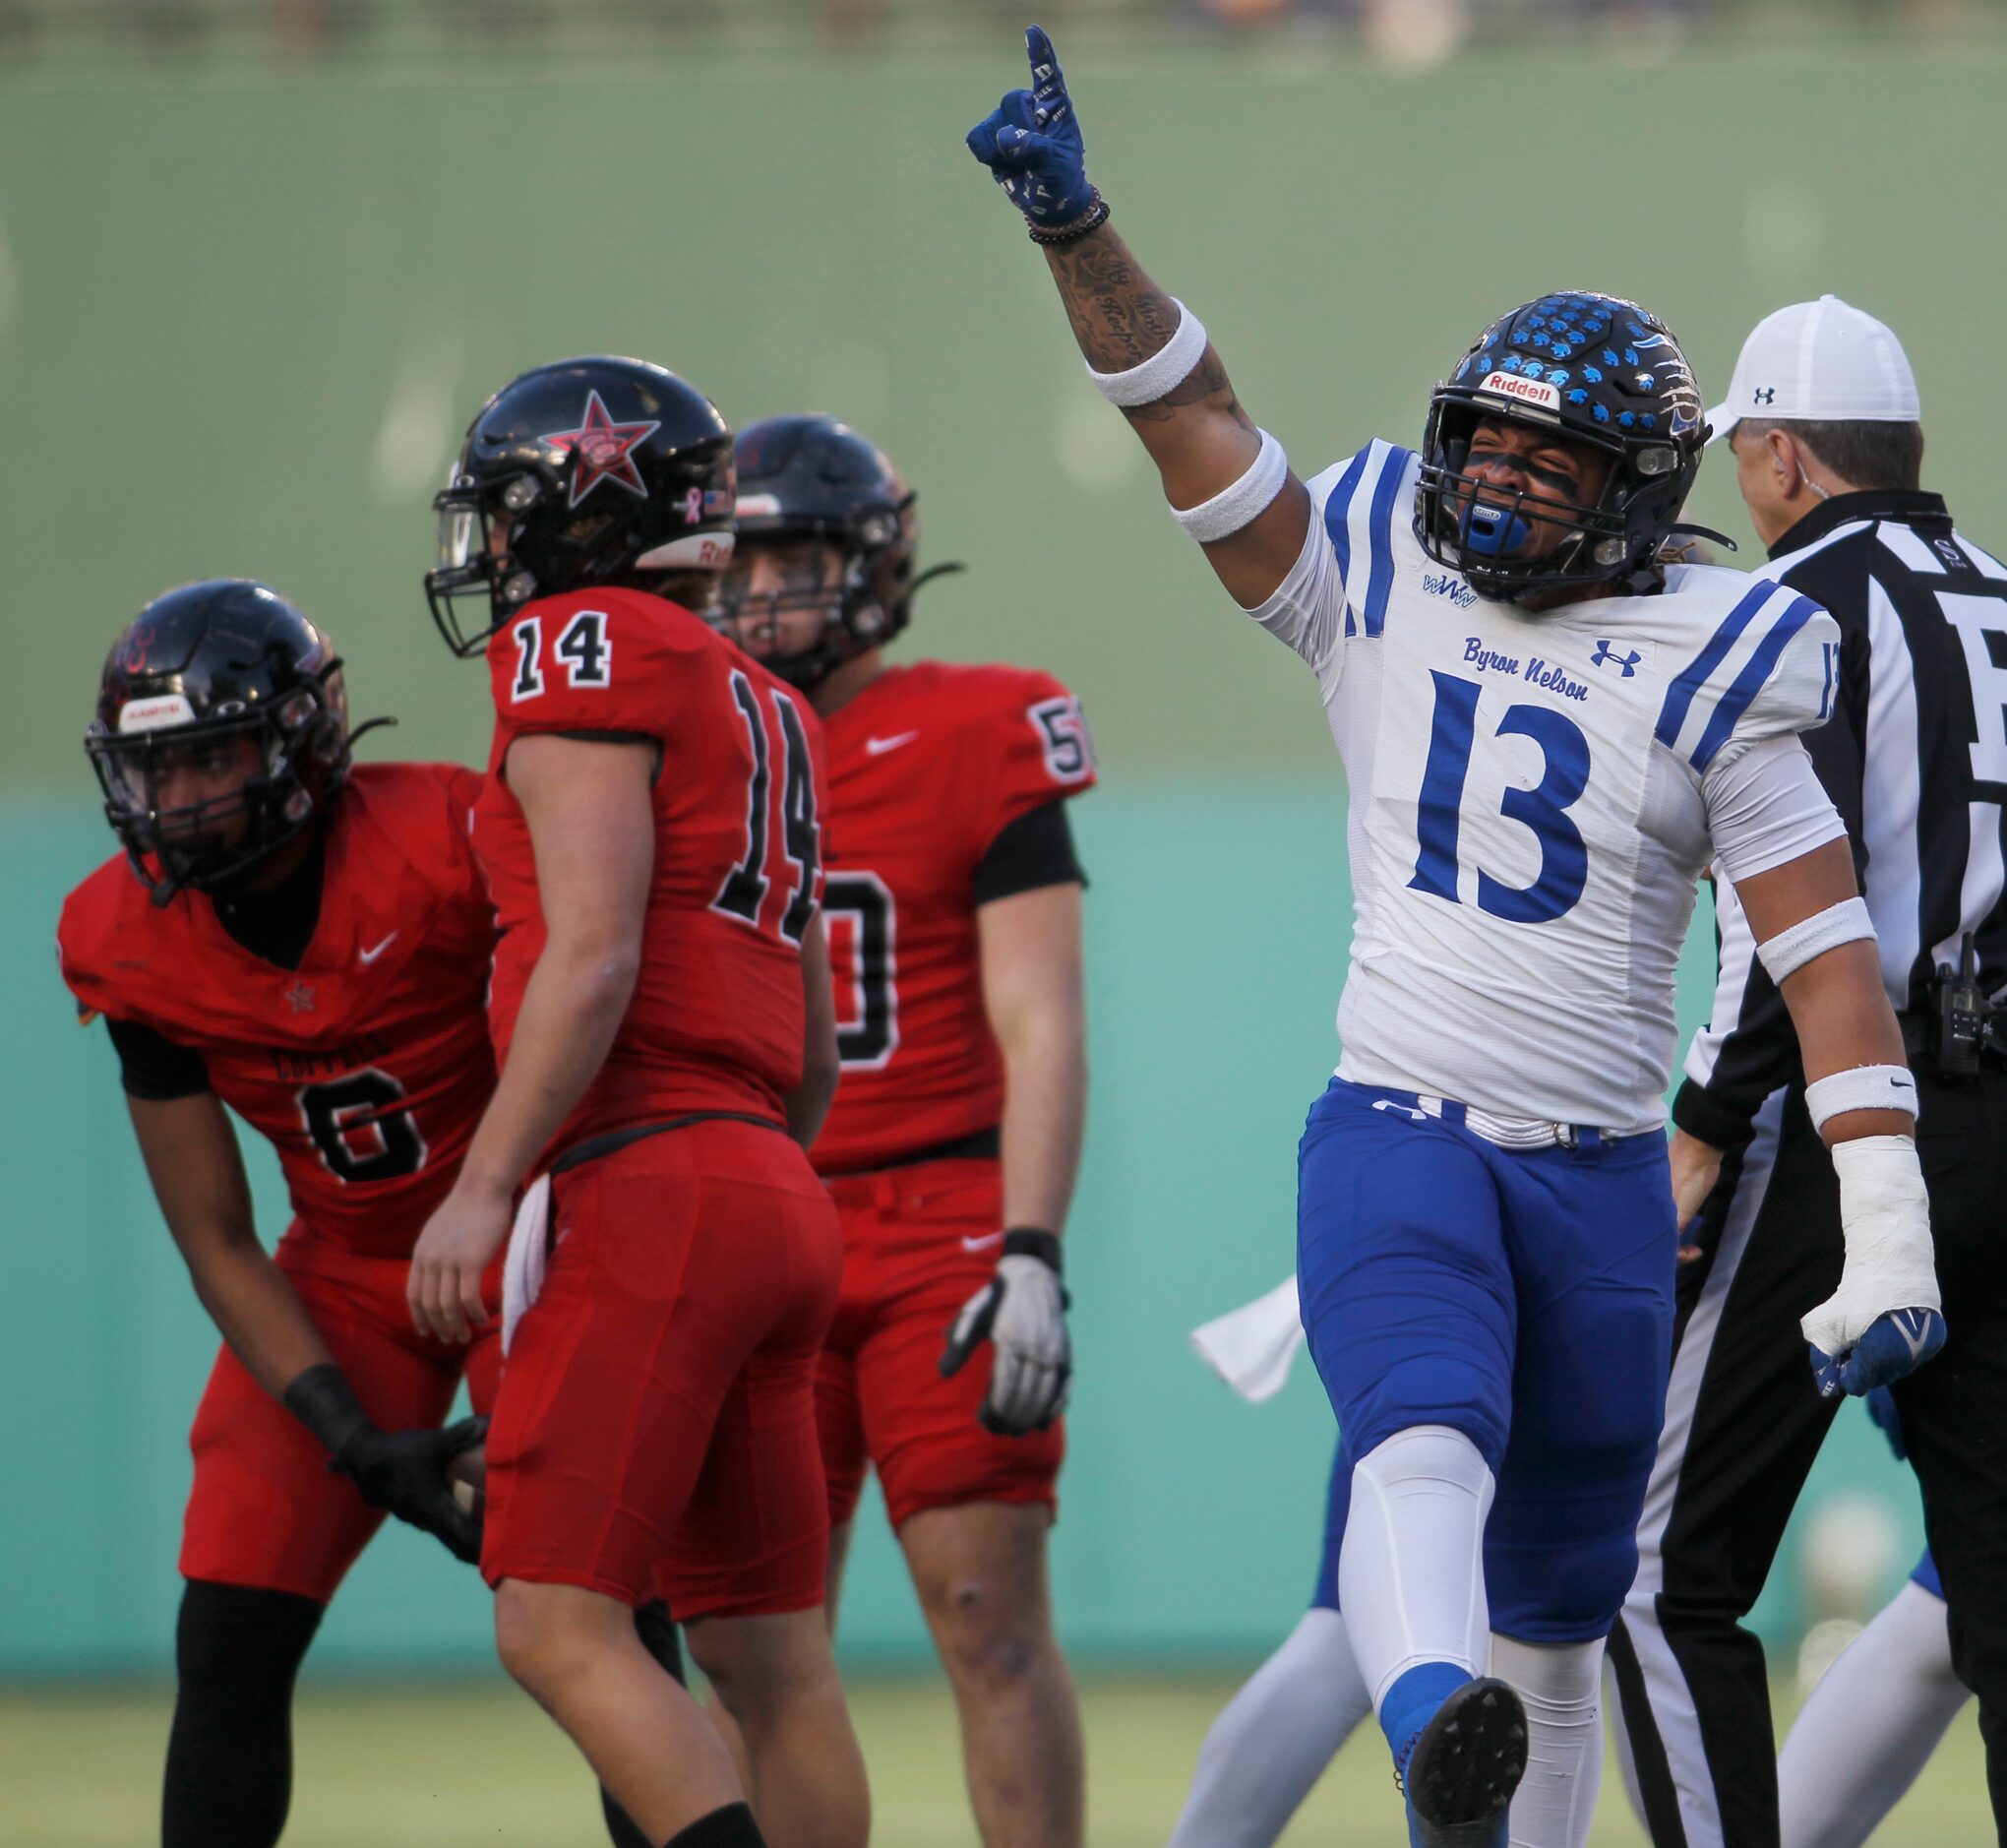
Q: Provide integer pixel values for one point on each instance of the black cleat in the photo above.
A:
(1466, 1763)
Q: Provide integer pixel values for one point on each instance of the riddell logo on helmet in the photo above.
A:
(164, 709)
(1527, 391)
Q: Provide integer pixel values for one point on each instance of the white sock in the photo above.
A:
(1869, 1727)
(1562, 1689)
(1274, 1740)
(1411, 1574)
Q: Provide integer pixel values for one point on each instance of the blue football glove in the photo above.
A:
(1031, 142)
(1881, 1407)
(1896, 1343)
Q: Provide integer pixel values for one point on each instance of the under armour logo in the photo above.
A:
(1626, 664)
(1764, 395)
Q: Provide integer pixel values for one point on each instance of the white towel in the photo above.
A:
(522, 1272)
(1250, 1348)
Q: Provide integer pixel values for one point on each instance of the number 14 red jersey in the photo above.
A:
(715, 1022)
(927, 766)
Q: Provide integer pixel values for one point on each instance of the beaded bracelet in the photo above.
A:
(1092, 220)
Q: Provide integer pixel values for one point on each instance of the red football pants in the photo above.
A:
(654, 1433)
(918, 1241)
(265, 1511)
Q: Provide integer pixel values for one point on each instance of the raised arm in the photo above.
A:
(1230, 489)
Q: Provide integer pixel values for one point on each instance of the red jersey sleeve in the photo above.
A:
(84, 942)
(585, 662)
(1039, 749)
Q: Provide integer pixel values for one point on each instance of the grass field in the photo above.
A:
(472, 1765)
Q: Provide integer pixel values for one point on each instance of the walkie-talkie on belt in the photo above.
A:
(1962, 1013)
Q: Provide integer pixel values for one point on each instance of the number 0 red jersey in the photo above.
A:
(927, 765)
(715, 1022)
(367, 1066)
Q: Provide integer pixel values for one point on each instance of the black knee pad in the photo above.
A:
(242, 1634)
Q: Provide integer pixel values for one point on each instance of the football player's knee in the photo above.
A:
(1432, 1389)
(1569, 1590)
(990, 1642)
(544, 1641)
(242, 1638)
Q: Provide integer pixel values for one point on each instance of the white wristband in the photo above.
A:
(1233, 508)
(1169, 365)
(1865, 1088)
(1790, 950)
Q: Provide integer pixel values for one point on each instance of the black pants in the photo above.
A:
(1744, 1425)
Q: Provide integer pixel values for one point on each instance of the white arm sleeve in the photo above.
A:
(1765, 806)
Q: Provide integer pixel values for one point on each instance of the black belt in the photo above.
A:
(594, 1146)
(977, 1145)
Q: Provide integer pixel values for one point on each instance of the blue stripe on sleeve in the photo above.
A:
(1680, 695)
(1379, 581)
(1752, 680)
(1338, 510)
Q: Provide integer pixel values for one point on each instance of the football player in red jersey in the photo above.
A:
(306, 942)
(662, 1015)
(953, 903)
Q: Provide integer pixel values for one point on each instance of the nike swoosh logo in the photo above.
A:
(1916, 1342)
(370, 956)
(877, 746)
(984, 1243)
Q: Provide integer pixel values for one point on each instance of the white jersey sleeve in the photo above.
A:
(1340, 583)
(1768, 669)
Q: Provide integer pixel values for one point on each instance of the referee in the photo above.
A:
(1823, 419)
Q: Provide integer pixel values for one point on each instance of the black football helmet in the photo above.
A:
(1600, 371)
(195, 671)
(591, 471)
(810, 477)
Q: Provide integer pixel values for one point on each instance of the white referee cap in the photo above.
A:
(1819, 362)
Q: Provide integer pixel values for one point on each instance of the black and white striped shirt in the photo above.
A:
(1916, 761)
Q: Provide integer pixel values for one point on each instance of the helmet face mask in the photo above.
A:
(811, 491)
(203, 673)
(1588, 371)
(585, 472)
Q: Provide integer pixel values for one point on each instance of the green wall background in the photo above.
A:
(245, 314)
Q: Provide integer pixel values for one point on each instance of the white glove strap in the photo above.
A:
(1232, 508)
(1790, 950)
(1865, 1088)
(1885, 1216)
(1171, 364)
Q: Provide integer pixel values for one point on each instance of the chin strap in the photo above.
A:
(933, 572)
(1687, 529)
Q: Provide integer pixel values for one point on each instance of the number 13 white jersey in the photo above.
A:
(1533, 798)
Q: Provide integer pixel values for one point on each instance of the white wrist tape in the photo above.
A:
(1788, 950)
(1885, 1216)
(1171, 364)
(1233, 508)
(1865, 1088)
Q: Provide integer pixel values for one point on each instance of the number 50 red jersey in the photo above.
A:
(367, 1066)
(927, 766)
(715, 1022)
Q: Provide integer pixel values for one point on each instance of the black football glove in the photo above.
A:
(400, 1471)
(1022, 1313)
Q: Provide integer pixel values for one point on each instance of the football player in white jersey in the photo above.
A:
(1546, 734)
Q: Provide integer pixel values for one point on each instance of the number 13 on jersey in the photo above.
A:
(1543, 809)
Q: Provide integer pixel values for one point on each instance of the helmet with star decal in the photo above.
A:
(581, 473)
(1595, 372)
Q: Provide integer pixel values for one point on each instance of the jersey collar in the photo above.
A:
(1910, 507)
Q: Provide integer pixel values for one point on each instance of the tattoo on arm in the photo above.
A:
(1121, 317)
